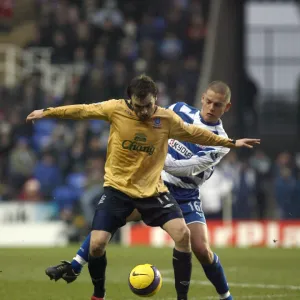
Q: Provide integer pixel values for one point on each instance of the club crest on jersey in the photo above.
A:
(156, 123)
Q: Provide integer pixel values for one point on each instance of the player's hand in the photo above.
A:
(36, 114)
(248, 143)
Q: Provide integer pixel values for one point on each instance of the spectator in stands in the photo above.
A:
(93, 188)
(60, 141)
(61, 51)
(84, 37)
(108, 12)
(100, 58)
(6, 145)
(244, 205)
(261, 164)
(196, 33)
(80, 59)
(21, 163)
(284, 160)
(147, 30)
(190, 74)
(118, 80)
(295, 214)
(162, 98)
(31, 191)
(76, 156)
(243, 182)
(94, 147)
(177, 20)
(94, 87)
(285, 190)
(48, 174)
(128, 52)
(171, 47)
(214, 199)
(298, 106)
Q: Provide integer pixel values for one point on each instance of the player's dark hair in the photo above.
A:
(141, 86)
(220, 87)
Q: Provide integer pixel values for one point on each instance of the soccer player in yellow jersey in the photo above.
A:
(136, 152)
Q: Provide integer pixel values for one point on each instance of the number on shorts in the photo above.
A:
(195, 206)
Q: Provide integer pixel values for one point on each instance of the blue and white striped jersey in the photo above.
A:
(188, 165)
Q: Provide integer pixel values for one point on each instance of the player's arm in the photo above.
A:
(195, 165)
(197, 135)
(102, 110)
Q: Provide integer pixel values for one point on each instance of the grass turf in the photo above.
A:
(252, 273)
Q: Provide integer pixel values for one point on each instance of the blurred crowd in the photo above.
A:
(111, 41)
(256, 186)
(62, 161)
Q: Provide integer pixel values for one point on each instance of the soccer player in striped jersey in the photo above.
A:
(186, 167)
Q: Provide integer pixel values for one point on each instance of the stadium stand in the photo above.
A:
(110, 42)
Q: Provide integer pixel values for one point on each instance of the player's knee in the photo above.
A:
(203, 253)
(98, 245)
(182, 236)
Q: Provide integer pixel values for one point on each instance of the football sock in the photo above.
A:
(82, 255)
(215, 274)
(97, 268)
(182, 264)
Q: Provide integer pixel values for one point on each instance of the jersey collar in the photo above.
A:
(209, 123)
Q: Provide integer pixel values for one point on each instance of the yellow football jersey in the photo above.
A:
(137, 150)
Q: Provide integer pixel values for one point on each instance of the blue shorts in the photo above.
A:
(192, 211)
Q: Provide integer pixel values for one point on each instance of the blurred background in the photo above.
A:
(60, 52)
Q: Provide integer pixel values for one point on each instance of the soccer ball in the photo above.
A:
(145, 280)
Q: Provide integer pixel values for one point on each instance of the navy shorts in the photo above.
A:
(114, 207)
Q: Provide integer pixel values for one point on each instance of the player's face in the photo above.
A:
(214, 105)
(144, 108)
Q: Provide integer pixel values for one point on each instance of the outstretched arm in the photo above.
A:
(197, 135)
(195, 165)
(102, 110)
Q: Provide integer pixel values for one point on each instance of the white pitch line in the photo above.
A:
(240, 297)
(255, 297)
(243, 285)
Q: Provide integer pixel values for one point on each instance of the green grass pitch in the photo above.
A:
(252, 273)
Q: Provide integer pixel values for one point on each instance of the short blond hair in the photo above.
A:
(220, 87)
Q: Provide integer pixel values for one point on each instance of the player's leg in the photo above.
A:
(182, 257)
(69, 271)
(210, 262)
(97, 260)
(111, 214)
(165, 212)
(82, 254)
